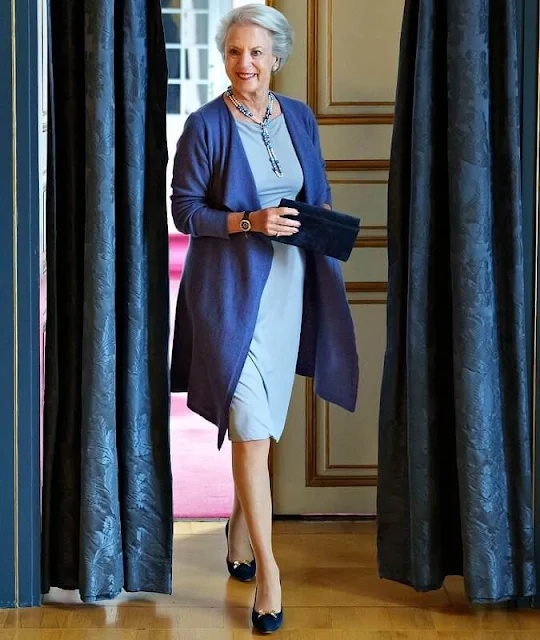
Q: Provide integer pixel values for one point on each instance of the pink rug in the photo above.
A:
(202, 476)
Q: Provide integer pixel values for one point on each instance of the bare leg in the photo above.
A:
(239, 546)
(250, 471)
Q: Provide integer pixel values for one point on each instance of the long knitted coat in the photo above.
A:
(224, 276)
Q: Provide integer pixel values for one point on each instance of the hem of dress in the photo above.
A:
(270, 437)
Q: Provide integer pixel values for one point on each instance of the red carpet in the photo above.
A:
(202, 476)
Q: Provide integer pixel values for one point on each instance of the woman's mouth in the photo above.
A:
(246, 76)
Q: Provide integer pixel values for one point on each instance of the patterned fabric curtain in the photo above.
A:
(455, 447)
(107, 505)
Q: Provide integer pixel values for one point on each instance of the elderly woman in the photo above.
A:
(251, 312)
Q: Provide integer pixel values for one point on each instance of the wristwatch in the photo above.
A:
(245, 224)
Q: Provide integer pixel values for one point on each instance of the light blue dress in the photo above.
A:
(261, 400)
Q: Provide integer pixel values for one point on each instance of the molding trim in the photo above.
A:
(312, 66)
(377, 242)
(353, 181)
(9, 319)
(329, 465)
(363, 119)
(313, 478)
(366, 287)
(330, 66)
(19, 326)
(313, 441)
(27, 70)
(313, 22)
(357, 165)
(15, 213)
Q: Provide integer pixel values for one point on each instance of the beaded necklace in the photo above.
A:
(276, 167)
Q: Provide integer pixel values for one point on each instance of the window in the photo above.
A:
(189, 27)
(196, 71)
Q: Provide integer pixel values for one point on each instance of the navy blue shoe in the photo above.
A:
(266, 621)
(243, 570)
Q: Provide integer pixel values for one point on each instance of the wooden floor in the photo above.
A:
(331, 591)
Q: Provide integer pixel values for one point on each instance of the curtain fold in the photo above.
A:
(107, 490)
(454, 447)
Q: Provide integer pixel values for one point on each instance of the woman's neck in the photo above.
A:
(256, 102)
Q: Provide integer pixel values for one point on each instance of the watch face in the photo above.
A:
(245, 225)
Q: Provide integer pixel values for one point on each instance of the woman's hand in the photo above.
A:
(272, 223)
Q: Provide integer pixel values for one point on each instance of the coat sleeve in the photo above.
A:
(191, 178)
(314, 131)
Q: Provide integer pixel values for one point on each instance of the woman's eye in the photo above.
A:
(257, 53)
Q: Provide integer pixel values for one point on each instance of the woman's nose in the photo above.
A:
(245, 60)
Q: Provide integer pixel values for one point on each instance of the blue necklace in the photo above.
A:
(263, 124)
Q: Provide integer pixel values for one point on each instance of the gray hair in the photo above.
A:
(262, 16)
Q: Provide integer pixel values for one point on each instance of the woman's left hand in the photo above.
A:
(272, 221)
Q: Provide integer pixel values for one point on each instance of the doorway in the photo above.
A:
(26, 499)
(202, 477)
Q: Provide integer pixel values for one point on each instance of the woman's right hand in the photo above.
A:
(272, 223)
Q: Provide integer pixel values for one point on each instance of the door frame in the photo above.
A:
(20, 274)
(19, 322)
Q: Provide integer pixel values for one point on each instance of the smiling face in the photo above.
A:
(249, 59)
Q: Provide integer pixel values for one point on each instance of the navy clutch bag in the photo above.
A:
(322, 230)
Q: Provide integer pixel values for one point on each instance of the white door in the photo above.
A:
(344, 65)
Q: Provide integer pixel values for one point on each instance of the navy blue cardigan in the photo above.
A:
(224, 275)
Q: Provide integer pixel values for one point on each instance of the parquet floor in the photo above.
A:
(331, 591)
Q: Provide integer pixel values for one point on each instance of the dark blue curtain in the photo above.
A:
(454, 450)
(107, 506)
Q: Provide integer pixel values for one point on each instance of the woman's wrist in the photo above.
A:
(253, 220)
(233, 222)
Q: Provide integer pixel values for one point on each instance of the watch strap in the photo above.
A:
(245, 218)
